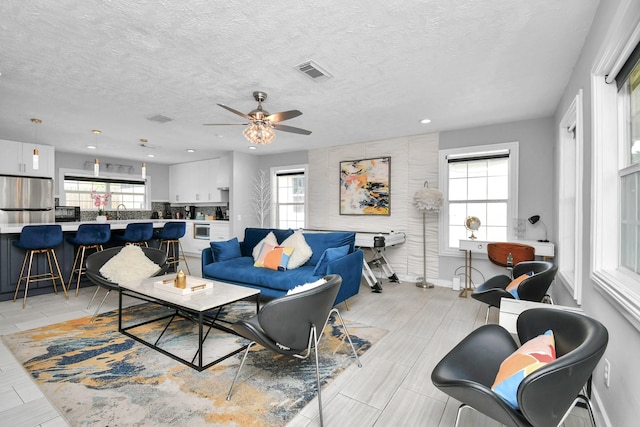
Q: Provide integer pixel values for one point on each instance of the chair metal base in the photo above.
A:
(50, 275)
(314, 340)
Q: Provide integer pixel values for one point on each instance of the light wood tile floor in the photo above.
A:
(392, 388)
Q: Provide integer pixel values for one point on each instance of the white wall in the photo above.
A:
(414, 159)
(245, 169)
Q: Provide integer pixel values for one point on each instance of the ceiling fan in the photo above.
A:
(261, 123)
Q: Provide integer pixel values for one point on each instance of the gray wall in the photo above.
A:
(620, 400)
(535, 181)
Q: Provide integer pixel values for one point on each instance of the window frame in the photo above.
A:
(512, 197)
(72, 173)
(571, 279)
(280, 170)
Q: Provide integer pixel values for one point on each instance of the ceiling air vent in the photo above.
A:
(159, 118)
(313, 71)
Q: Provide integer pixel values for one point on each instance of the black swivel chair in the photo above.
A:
(96, 260)
(292, 325)
(547, 395)
(533, 288)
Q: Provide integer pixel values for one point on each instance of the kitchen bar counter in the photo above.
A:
(11, 257)
(115, 224)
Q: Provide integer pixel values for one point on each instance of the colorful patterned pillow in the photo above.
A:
(273, 257)
(533, 355)
(302, 251)
(270, 239)
(512, 288)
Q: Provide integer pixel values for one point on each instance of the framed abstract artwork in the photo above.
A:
(365, 186)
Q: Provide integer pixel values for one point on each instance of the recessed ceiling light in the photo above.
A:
(91, 147)
(253, 147)
(150, 155)
(190, 150)
(425, 121)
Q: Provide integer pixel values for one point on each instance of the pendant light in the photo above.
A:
(96, 162)
(36, 154)
(144, 164)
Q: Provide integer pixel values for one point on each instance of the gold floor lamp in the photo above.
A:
(426, 200)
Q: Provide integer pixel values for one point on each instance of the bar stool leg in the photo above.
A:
(26, 284)
(64, 288)
(50, 275)
(183, 257)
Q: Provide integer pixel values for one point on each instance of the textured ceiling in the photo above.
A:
(86, 64)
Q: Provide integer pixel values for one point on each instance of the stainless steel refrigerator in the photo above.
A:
(26, 200)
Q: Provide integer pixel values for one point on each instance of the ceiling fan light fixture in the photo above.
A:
(260, 133)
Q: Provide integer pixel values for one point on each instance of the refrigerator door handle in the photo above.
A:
(26, 209)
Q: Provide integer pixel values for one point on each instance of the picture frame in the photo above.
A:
(365, 186)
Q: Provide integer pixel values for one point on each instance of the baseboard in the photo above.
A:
(602, 419)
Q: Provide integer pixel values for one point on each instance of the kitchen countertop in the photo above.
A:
(115, 224)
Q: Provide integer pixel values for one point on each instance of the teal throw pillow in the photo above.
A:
(223, 251)
(329, 254)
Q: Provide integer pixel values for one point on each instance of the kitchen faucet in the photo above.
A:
(118, 211)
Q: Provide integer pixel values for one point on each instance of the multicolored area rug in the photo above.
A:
(95, 375)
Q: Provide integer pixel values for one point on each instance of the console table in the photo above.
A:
(469, 246)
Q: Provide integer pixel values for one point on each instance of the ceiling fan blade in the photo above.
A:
(225, 124)
(236, 112)
(282, 116)
(291, 129)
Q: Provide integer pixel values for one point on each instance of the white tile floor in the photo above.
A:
(392, 388)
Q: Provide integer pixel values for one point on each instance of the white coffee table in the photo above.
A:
(195, 306)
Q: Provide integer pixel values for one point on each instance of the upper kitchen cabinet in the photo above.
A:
(17, 159)
(224, 172)
(195, 182)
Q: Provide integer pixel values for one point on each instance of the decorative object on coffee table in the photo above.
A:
(426, 200)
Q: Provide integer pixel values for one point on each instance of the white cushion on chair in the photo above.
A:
(129, 265)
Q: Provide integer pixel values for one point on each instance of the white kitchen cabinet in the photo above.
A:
(195, 182)
(219, 231)
(224, 171)
(17, 159)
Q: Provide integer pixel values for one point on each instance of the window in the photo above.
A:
(482, 182)
(616, 172)
(629, 171)
(130, 193)
(290, 196)
(570, 137)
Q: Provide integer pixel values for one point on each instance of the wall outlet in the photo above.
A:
(607, 372)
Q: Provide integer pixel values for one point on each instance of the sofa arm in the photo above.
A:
(206, 258)
(349, 268)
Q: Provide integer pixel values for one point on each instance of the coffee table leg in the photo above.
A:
(119, 310)
(200, 320)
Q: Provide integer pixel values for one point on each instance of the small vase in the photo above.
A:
(101, 218)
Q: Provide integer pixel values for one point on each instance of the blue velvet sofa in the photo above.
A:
(236, 265)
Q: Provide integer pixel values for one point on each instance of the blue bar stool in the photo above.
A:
(170, 237)
(39, 239)
(89, 236)
(137, 233)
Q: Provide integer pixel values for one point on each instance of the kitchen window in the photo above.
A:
(479, 181)
(130, 193)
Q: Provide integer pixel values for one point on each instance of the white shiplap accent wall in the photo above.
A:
(414, 159)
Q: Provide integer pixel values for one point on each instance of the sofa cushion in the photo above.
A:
(321, 241)
(270, 239)
(253, 235)
(330, 254)
(302, 251)
(223, 251)
(273, 257)
(241, 270)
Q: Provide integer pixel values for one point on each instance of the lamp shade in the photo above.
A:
(428, 199)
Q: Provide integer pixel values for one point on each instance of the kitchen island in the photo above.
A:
(11, 257)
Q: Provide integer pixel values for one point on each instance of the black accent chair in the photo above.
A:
(292, 325)
(546, 396)
(96, 260)
(533, 288)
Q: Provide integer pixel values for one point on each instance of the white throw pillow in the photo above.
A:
(269, 239)
(306, 286)
(129, 265)
(302, 251)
